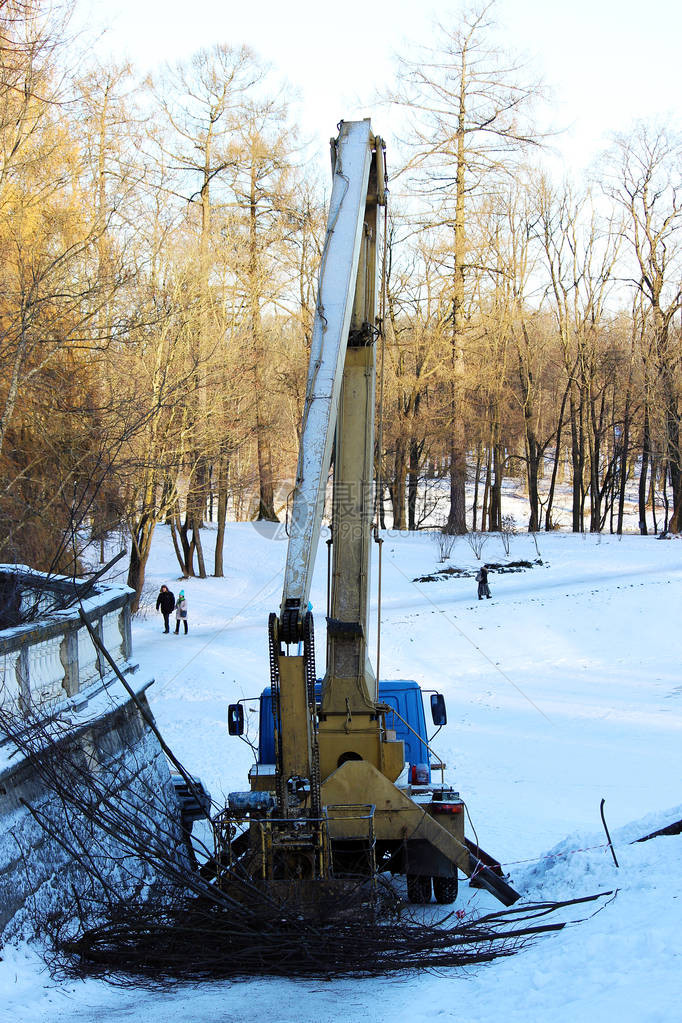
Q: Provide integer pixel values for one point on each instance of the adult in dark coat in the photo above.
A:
(165, 602)
(482, 580)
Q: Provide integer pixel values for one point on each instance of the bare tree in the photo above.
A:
(204, 101)
(416, 350)
(468, 111)
(646, 181)
(262, 185)
(580, 251)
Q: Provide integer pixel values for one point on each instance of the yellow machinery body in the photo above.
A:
(333, 799)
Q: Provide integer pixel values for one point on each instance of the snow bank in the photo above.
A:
(562, 689)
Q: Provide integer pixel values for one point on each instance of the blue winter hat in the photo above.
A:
(182, 593)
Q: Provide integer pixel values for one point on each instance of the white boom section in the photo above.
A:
(336, 290)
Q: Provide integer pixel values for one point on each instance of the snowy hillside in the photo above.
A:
(563, 689)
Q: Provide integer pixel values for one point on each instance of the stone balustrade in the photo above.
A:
(51, 656)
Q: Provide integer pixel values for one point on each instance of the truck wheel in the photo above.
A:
(445, 889)
(419, 888)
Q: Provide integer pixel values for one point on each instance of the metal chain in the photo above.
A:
(280, 787)
(309, 664)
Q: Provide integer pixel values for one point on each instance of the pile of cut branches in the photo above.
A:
(206, 942)
(139, 910)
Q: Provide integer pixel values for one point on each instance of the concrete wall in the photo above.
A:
(38, 876)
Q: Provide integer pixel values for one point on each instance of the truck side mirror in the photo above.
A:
(438, 711)
(235, 719)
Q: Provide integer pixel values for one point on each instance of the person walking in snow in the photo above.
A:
(165, 602)
(482, 580)
(181, 612)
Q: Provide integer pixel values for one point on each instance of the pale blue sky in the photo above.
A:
(606, 61)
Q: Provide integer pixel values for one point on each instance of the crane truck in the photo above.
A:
(331, 795)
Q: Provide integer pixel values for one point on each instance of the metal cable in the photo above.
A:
(380, 435)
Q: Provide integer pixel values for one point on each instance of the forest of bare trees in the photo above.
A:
(160, 240)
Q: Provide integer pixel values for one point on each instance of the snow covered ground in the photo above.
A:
(563, 689)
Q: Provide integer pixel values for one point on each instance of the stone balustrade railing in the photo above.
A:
(52, 656)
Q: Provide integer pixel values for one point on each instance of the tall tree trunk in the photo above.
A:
(495, 517)
(177, 542)
(266, 493)
(397, 486)
(652, 492)
(184, 547)
(646, 456)
(533, 455)
(222, 488)
(533, 449)
(210, 496)
(413, 483)
(623, 468)
(485, 518)
(196, 540)
(673, 452)
(557, 459)
(266, 496)
(141, 544)
(577, 466)
(666, 503)
(457, 515)
(474, 513)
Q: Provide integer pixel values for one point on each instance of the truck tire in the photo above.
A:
(419, 888)
(445, 889)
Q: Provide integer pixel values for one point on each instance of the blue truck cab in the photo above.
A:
(407, 720)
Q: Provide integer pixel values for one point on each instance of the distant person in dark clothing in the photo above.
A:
(165, 602)
(482, 580)
(181, 612)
